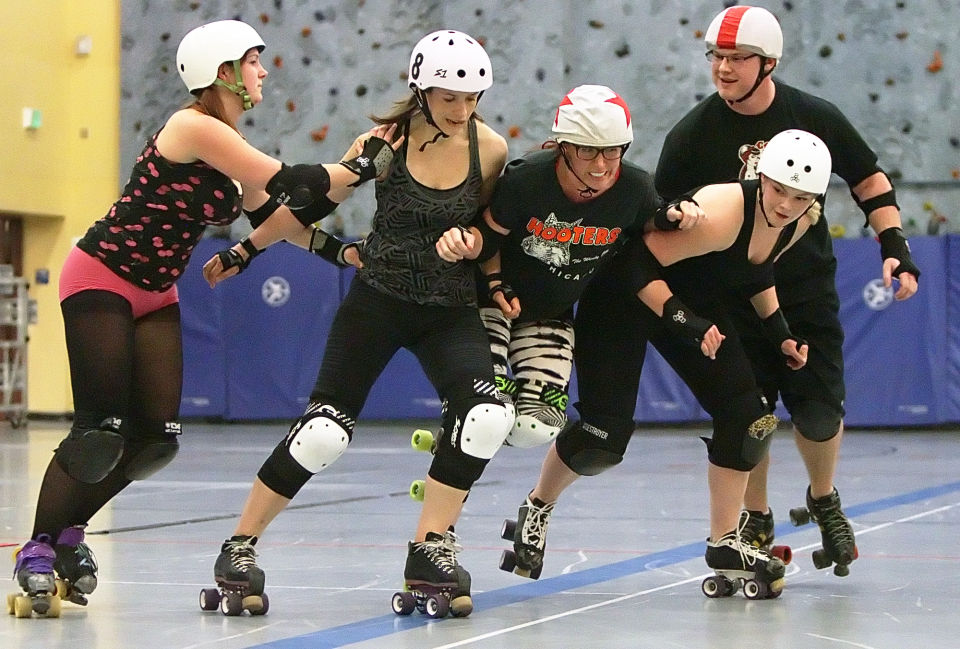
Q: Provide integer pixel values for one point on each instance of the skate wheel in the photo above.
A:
(257, 604)
(231, 604)
(535, 574)
(461, 606)
(508, 560)
(22, 606)
(841, 570)
(436, 607)
(508, 530)
(753, 589)
(717, 586)
(53, 608)
(422, 440)
(799, 516)
(417, 490)
(10, 600)
(209, 599)
(821, 559)
(782, 552)
(403, 603)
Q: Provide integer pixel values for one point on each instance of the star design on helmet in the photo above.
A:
(618, 100)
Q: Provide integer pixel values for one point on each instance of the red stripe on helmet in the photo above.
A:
(729, 27)
(566, 102)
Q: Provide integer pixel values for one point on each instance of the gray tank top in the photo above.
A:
(399, 257)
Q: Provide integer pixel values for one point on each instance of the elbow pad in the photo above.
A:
(298, 186)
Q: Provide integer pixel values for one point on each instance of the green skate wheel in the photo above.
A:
(417, 489)
(422, 440)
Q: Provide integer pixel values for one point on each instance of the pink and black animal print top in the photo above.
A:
(147, 236)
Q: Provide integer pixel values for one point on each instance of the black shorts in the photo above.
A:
(820, 381)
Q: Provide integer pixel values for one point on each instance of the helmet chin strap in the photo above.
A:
(587, 191)
(761, 75)
(237, 88)
(425, 109)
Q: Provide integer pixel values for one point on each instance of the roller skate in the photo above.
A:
(75, 565)
(239, 580)
(529, 536)
(34, 572)
(434, 583)
(757, 530)
(737, 565)
(836, 533)
(422, 440)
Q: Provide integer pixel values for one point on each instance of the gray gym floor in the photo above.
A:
(624, 558)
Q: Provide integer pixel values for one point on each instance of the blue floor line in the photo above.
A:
(384, 625)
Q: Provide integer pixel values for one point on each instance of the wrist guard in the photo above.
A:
(502, 287)
(683, 322)
(894, 245)
(329, 247)
(660, 219)
(376, 156)
(230, 258)
(776, 330)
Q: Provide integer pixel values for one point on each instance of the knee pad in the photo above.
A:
(541, 414)
(815, 420)
(144, 456)
(483, 429)
(590, 450)
(742, 431)
(90, 454)
(319, 437)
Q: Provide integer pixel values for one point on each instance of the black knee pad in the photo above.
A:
(89, 454)
(591, 447)
(815, 420)
(742, 431)
(149, 452)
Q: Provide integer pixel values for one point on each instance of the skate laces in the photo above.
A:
(442, 551)
(535, 523)
(242, 555)
(749, 553)
(831, 518)
(36, 556)
(754, 528)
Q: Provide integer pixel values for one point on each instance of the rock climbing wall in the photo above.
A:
(887, 64)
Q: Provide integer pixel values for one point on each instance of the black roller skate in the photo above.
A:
(757, 530)
(34, 572)
(739, 564)
(239, 578)
(75, 565)
(836, 533)
(529, 536)
(434, 583)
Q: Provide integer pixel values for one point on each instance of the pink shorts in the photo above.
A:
(81, 272)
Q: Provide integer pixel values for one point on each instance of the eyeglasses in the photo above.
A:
(732, 59)
(591, 152)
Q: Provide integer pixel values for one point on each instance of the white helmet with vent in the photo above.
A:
(205, 48)
(450, 60)
(797, 159)
(752, 29)
(593, 116)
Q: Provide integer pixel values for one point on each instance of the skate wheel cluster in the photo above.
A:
(722, 586)
(43, 604)
(232, 603)
(509, 559)
(433, 605)
(424, 441)
(822, 558)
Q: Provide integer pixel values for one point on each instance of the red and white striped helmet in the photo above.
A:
(593, 116)
(752, 29)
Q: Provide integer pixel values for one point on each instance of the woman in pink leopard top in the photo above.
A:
(119, 297)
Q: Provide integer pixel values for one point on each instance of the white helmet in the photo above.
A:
(593, 116)
(450, 60)
(752, 29)
(797, 159)
(205, 48)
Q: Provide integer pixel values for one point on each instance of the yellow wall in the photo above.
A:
(68, 168)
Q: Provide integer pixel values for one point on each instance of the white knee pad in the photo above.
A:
(531, 430)
(484, 428)
(317, 442)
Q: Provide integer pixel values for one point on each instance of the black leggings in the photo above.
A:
(119, 367)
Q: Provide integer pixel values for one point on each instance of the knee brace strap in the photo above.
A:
(90, 455)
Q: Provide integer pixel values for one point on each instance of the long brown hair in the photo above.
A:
(403, 110)
(209, 102)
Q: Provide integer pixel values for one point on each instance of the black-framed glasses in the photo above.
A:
(732, 59)
(591, 152)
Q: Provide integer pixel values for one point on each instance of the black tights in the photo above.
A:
(121, 367)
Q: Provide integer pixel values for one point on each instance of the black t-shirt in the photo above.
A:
(555, 246)
(713, 144)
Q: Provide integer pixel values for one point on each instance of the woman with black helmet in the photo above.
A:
(403, 296)
(119, 297)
